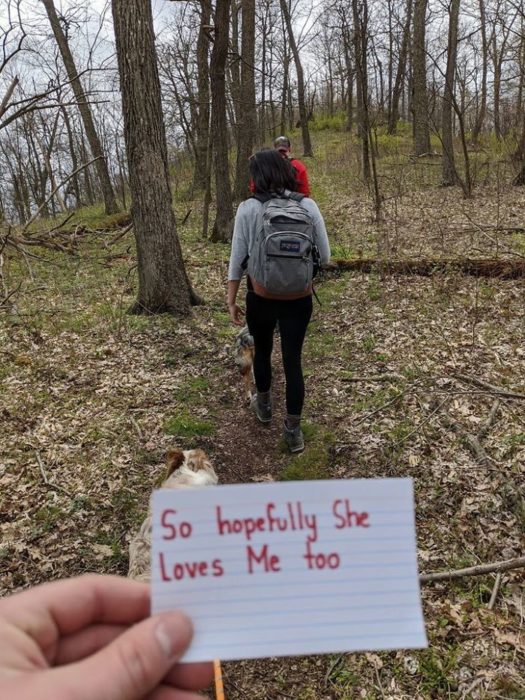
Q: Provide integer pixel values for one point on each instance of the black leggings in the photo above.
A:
(293, 316)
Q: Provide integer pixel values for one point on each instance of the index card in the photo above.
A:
(289, 568)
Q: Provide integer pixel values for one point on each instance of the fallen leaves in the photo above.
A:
(90, 388)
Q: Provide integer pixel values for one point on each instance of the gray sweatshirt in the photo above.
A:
(245, 230)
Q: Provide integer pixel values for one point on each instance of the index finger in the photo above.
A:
(55, 609)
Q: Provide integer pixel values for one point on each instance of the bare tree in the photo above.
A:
(201, 175)
(401, 72)
(482, 109)
(163, 283)
(110, 202)
(223, 226)
(449, 174)
(346, 36)
(301, 100)
(419, 77)
(246, 124)
(360, 16)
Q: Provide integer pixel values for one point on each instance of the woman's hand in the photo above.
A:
(89, 638)
(236, 314)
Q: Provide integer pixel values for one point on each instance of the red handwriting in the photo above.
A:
(184, 529)
(269, 562)
(346, 517)
(319, 560)
(189, 569)
(286, 517)
(290, 517)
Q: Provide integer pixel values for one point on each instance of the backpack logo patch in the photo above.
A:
(290, 246)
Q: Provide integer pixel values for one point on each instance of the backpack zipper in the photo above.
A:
(287, 233)
(294, 257)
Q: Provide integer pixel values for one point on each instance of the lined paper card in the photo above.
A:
(289, 568)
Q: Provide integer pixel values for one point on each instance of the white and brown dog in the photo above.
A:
(244, 352)
(185, 469)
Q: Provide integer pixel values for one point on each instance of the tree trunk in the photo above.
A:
(88, 185)
(401, 72)
(284, 95)
(519, 180)
(482, 110)
(110, 202)
(380, 85)
(449, 175)
(39, 170)
(419, 72)
(163, 284)
(521, 84)
(122, 177)
(271, 90)
(235, 63)
(390, 84)
(223, 226)
(347, 49)
(496, 67)
(200, 175)
(330, 82)
(247, 113)
(46, 149)
(262, 110)
(74, 187)
(360, 50)
(303, 112)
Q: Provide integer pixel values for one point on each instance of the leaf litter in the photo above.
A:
(89, 393)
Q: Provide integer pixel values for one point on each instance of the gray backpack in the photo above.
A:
(284, 255)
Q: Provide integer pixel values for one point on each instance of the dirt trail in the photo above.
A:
(245, 450)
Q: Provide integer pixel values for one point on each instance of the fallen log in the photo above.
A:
(426, 267)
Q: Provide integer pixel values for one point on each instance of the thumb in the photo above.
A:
(136, 662)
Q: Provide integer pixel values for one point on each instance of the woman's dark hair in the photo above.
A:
(271, 172)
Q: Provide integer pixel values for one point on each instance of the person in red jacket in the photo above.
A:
(282, 144)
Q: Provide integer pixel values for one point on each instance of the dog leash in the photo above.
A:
(219, 687)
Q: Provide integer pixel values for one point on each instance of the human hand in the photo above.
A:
(90, 638)
(236, 314)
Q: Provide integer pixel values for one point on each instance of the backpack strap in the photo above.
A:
(262, 198)
(295, 196)
(286, 194)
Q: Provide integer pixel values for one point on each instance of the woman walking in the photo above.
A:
(276, 258)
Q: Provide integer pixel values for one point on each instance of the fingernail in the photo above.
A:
(173, 634)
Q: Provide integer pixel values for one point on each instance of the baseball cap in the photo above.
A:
(282, 143)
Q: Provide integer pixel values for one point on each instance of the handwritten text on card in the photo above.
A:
(289, 568)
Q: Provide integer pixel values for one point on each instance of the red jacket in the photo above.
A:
(301, 175)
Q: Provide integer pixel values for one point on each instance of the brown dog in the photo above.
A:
(185, 469)
(244, 352)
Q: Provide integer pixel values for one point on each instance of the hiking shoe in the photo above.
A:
(294, 438)
(263, 411)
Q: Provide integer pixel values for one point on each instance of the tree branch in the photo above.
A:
(478, 570)
(61, 184)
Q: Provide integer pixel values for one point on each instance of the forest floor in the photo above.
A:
(91, 399)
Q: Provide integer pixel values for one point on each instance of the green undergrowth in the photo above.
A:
(185, 425)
